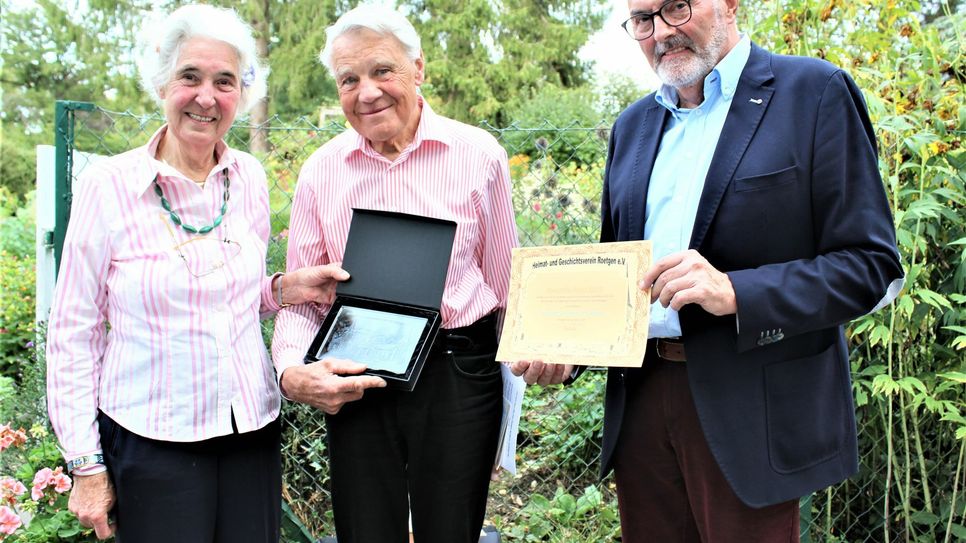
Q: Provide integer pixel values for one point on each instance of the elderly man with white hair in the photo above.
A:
(160, 388)
(431, 449)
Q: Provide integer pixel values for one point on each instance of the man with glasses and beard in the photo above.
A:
(755, 175)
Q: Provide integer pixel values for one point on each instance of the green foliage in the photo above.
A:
(561, 429)
(17, 274)
(23, 416)
(566, 518)
(556, 204)
(305, 464)
(45, 519)
(483, 56)
(17, 219)
(16, 309)
(53, 51)
(564, 120)
(616, 93)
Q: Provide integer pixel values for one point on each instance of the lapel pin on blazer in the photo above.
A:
(755, 101)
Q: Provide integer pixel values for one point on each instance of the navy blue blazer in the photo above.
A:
(794, 211)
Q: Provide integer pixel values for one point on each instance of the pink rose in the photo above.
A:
(9, 520)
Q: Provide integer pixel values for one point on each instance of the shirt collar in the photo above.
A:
(151, 166)
(722, 81)
(430, 128)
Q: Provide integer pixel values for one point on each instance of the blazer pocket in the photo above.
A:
(805, 410)
(767, 180)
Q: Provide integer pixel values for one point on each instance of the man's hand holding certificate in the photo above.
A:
(578, 305)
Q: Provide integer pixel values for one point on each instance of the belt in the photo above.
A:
(670, 349)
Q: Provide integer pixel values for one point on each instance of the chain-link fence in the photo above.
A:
(909, 458)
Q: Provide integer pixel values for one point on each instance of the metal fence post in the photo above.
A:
(805, 518)
(64, 166)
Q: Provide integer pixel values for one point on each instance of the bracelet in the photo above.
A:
(82, 461)
(278, 290)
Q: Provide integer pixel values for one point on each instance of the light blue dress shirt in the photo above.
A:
(681, 166)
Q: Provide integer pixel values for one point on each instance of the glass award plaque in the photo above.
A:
(392, 340)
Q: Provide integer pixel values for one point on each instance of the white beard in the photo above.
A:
(691, 69)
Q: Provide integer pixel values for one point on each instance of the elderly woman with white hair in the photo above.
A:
(431, 449)
(160, 388)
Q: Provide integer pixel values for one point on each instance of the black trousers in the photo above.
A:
(220, 490)
(429, 451)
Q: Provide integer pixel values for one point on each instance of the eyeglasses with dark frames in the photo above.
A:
(640, 26)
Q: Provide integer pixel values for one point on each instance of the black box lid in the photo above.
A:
(397, 257)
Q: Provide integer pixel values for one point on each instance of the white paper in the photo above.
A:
(513, 390)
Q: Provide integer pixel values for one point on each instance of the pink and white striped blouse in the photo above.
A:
(450, 171)
(157, 336)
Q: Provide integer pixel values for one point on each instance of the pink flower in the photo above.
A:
(41, 480)
(560, 214)
(46, 478)
(10, 489)
(536, 206)
(60, 481)
(9, 520)
(10, 437)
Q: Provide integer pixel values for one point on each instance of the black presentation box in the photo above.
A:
(387, 314)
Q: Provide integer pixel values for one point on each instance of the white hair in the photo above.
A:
(382, 20)
(162, 43)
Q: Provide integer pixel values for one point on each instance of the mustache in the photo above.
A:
(672, 42)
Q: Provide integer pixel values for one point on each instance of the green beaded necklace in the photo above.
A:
(177, 220)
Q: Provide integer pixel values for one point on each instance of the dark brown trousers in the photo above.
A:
(669, 486)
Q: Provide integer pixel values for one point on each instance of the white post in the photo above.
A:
(45, 224)
(46, 194)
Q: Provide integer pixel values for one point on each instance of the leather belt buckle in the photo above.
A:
(672, 351)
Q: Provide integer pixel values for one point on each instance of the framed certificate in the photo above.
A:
(578, 304)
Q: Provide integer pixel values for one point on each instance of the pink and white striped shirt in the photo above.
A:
(450, 171)
(181, 352)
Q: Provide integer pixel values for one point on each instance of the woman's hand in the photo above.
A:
(311, 284)
(91, 500)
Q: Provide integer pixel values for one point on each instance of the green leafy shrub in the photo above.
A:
(565, 518)
(564, 122)
(17, 219)
(18, 277)
(556, 204)
(16, 309)
(33, 488)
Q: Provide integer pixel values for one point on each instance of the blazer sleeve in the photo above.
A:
(856, 263)
(608, 231)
